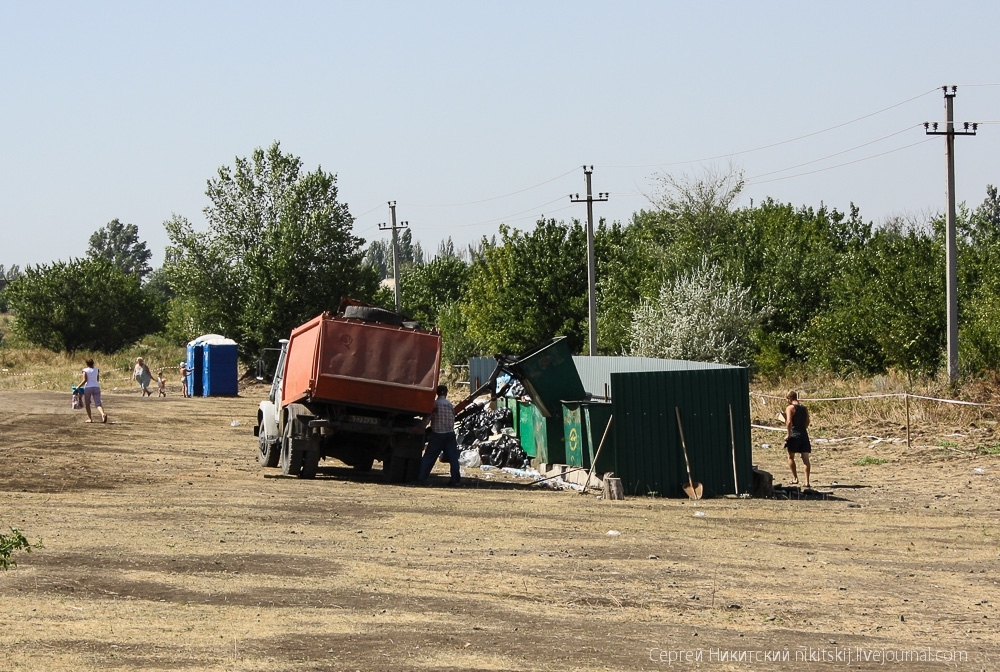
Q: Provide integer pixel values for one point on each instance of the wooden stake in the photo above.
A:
(613, 488)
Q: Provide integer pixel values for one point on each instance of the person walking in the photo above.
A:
(442, 439)
(797, 438)
(143, 376)
(184, 379)
(91, 383)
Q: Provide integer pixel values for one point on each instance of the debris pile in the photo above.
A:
(492, 434)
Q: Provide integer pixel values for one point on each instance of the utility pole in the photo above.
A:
(591, 266)
(395, 249)
(951, 251)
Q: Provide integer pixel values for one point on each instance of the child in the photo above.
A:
(161, 383)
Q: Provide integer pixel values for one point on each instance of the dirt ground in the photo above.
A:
(166, 547)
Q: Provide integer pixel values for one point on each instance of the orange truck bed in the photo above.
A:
(346, 361)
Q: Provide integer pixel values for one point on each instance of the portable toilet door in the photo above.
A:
(220, 377)
(194, 367)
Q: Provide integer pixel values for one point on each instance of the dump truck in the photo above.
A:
(357, 386)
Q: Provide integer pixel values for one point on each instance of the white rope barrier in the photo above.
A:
(880, 396)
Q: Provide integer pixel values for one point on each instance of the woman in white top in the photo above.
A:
(92, 390)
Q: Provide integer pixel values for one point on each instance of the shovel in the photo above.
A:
(692, 488)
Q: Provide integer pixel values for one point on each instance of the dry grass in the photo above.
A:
(28, 367)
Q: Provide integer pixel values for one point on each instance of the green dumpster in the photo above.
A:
(574, 433)
(584, 423)
(526, 427)
(549, 440)
(549, 375)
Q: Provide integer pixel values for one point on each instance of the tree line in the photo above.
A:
(694, 276)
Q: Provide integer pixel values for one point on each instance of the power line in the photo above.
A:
(845, 151)
(492, 198)
(783, 142)
(839, 165)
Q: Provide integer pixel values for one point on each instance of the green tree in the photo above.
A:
(531, 287)
(7, 276)
(886, 306)
(625, 265)
(698, 316)
(979, 285)
(788, 258)
(278, 251)
(82, 304)
(429, 287)
(119, 243)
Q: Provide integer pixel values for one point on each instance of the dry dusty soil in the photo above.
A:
(167, 548)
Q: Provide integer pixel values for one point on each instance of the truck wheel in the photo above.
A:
(292, 453)
(364, 466)
(372, 314)
(268, 454)
(310, 463)
(394, 468)
(412, 469)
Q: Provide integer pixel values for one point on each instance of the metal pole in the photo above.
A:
(951, 253)
(591, 263)
(591, 270)
(395, 256)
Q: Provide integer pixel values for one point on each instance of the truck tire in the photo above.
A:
(412, 469)
(268, 453)
(292, 452)
(364, 466)
(310, 463)
(372, 314)
(394, 468)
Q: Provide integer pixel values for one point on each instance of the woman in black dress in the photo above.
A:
(797, 439)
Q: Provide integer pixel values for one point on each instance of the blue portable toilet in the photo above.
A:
(196, 366)
(219, 368)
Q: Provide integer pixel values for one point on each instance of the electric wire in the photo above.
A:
(753, 181)
(845, 151)
(782, 142)
(493, 198)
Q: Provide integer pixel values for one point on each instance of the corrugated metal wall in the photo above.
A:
(648, 456)
(480, 369)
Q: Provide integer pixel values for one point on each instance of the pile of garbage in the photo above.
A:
(490, 435)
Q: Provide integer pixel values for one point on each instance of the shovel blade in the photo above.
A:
(693, 490)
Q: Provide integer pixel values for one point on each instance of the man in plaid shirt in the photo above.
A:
(442, 438)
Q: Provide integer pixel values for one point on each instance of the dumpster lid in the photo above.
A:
(549, 375)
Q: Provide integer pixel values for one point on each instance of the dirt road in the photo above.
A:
(166, 547)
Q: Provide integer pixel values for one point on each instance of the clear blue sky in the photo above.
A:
(126, 109)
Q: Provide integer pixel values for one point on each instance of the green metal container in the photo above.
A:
(584, 423)
(574, 433)
(550, 444)
(550, 376)
(526, 427)
(511, 404)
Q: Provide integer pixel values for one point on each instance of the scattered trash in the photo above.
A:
(491, 434)
(523, 473)
(470, 458)
(765, 446)
(699, 514)
(979, 470)
(234, 423)
(613, 533)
